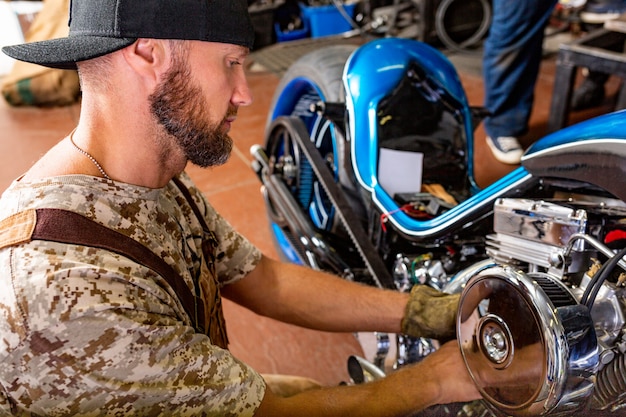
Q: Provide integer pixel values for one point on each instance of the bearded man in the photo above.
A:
(113, 265)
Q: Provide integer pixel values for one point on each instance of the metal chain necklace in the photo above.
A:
(88, 155)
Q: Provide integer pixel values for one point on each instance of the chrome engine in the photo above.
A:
(542, 317)
(554, 293)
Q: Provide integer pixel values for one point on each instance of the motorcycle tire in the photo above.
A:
(316, 76)
(462, 25)
(321, 69)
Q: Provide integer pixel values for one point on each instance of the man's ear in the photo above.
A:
(149, 58)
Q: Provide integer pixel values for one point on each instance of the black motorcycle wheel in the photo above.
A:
(315, 77)
(322, 70)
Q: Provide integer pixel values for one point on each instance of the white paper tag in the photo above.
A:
(400, 171)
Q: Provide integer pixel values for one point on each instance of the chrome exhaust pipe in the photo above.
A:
(362, 371)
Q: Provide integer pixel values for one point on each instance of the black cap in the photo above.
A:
(99, 27)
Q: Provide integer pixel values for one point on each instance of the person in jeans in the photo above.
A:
(512, 55)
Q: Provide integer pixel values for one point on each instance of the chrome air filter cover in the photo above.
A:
(529, 346)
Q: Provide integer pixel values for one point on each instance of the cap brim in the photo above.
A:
(63, 53)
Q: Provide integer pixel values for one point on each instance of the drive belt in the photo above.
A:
(354, 227)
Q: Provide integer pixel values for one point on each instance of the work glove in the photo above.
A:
(430, 313)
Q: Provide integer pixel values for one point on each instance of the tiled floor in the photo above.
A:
(234, 191)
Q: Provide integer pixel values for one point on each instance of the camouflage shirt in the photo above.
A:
(86, 331)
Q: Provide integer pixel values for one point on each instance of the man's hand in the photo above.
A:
(430, 313)
(446, 365)
(441, 378)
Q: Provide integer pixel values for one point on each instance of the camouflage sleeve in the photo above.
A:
(81, 340)
(236, 255)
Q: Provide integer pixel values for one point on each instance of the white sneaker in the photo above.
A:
(506, 149)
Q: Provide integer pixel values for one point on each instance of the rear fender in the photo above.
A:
(370, 74)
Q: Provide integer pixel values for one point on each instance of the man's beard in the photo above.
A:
(179, 107)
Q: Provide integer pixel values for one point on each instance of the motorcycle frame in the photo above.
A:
(597, 143)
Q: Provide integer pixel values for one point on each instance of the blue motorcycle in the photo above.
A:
(367, 172)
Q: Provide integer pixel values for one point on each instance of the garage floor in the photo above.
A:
(234, 190)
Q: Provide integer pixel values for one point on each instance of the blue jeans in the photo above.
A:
(512, 55)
